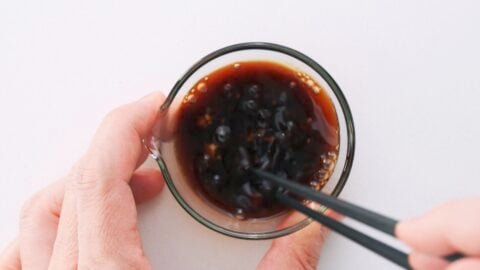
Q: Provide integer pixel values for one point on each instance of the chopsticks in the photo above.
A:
(368, 217)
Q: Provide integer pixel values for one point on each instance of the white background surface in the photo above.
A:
(409, 70)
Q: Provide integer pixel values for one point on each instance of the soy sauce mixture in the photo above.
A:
(255, 115)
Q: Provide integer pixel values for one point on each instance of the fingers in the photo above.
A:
(10, 258)
(65, 249)
(105, 205)
(146, 184)
(465, 264)
(113, 156)
(38, 226)
(116, 148)
(300, 250)
(452, 227)
(420, 261)
(108, 236)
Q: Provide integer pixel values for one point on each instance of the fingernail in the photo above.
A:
(147, 97)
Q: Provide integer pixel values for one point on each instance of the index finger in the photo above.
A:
(452, 227)
(116, 146)
(105, 206)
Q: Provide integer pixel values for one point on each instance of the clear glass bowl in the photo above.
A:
(164, 134)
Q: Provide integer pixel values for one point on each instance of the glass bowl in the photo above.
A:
(162, 148)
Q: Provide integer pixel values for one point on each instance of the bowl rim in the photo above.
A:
(317, 68)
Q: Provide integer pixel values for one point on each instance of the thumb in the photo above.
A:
(300, 250)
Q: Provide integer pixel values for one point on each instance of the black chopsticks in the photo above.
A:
(375, 220)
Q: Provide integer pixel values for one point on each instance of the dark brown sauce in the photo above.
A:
(255, 115)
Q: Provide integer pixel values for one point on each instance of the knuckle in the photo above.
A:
(63, 262)
(101, 260)
(89, 184)
(83, 177)
(116, 115)
(29, 207)
(305, 258)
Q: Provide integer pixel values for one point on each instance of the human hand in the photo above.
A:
(300, 250)
(450, 228)
(88, 220)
